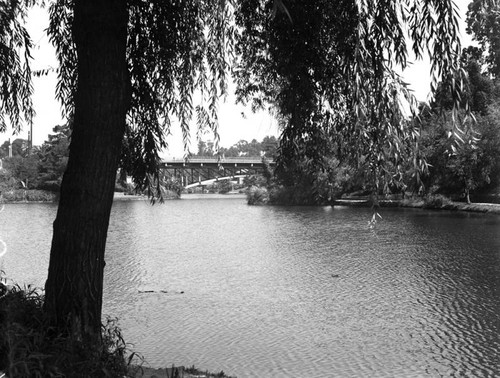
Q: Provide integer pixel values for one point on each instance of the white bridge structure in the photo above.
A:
(211, 181)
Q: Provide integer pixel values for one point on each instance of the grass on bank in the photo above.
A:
(30, 348)
(35, 195)
(440, 202)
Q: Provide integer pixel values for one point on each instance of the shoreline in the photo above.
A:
(419, 203)
(138, 371)
(492, 208)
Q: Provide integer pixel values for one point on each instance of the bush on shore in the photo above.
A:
(30, 348)
(296, 195)
(23, 195)
(438, 201)
(257, 195)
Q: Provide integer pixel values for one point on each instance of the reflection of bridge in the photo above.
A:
(205, 170)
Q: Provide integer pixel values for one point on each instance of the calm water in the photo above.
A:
(291, 292)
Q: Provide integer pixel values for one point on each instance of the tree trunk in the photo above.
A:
(75, 281)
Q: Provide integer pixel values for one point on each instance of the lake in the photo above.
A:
(290, 291)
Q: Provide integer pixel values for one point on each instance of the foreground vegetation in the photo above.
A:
(30, 347)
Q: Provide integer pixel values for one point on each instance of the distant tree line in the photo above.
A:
(267, 148)
(43, 166)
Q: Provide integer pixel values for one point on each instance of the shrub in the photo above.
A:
(438, 201)
(170, 194)
(29, 347)
(295, 195)
(119, 187)
(130, 190)
(23, 195)
(41, 196)
(51, 185)
(257, 196)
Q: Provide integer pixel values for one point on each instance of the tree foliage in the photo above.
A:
(173, 49)
(40, 168)
(23, 171)
(15, 73)
(459, 170)
(328, 71)
(267, 147)
(19, 147)
(480, 90)
(471, 166)
(483, 22)
(53, 158)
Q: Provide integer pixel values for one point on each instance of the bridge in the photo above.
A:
(199, 171)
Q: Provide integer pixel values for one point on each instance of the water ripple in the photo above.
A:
(293, 292)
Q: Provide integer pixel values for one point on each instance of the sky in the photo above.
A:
(236, 122)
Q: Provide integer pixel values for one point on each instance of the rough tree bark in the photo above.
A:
(75, 281)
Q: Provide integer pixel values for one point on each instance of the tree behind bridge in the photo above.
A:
(127, 67)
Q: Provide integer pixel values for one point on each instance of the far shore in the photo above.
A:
(37, 196)
(42, 196)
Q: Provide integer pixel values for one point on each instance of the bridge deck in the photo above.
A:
(215, 160)
(208, 161)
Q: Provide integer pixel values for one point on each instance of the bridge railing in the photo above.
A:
(214, 159)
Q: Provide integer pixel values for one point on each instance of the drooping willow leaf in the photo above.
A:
(16, 88)
(174, 50)
(329, 70)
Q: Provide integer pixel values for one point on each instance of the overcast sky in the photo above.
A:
(233, 125)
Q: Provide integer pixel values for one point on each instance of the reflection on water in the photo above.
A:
(292, 292)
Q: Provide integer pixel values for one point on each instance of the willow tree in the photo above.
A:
(329, 70)
(128, 67)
